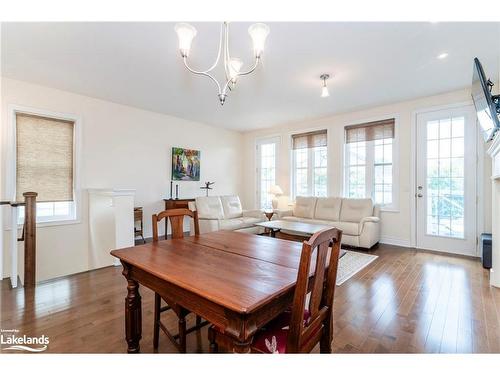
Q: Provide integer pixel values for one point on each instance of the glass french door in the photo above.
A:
(267, 150)
(446, 181)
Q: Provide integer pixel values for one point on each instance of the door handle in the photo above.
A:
(420, 195)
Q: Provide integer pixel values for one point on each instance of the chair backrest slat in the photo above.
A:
(321, 285)
(176, 218)
(317, 287)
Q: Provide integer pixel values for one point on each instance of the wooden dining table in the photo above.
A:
(237, 281)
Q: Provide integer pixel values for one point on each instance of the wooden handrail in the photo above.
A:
(28, 236)
(13, 204)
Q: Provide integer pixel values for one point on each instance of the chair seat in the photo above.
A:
(273, 337)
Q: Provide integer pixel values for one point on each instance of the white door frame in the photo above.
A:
(413, 172)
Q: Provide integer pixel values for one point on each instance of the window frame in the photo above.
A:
(276, 139)
(370, 164)
(310, 164)
(75, 217)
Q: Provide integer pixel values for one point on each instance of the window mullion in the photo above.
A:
(310, 165)
(347, 169)
(370, 169)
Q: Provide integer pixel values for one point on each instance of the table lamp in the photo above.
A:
(276, 191)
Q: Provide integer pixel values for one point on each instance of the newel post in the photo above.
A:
(30, 239)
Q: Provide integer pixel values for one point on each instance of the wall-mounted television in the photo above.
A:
(487, 105)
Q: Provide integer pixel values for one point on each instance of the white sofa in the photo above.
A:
(359, 219)
(225, 213)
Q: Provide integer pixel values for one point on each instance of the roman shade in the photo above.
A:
(44, 158)
(370, 131)
(309, 140)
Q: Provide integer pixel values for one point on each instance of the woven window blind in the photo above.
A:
(370, 131)
(309, 140)
(44, 164)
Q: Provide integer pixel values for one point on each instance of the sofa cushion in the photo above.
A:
(231, 224)
(351, 229)
(209, 208)
(304, 207)
(354, 210)
(232, 206)
(328, 209)
(238, 223)
(249, 221)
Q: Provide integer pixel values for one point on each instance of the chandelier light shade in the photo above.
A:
(185, 33)
(258, 32)
(234, 69)
(324, 89)
(232, 65)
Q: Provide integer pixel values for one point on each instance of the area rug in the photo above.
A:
(351, 263)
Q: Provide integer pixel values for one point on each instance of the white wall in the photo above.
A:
(124, 148)
(395, 225)
(128, 148)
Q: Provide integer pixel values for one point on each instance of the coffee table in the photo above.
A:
(303, 231)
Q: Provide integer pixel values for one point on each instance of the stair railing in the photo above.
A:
(28, 236)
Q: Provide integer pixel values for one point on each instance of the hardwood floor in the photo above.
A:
(406, 301)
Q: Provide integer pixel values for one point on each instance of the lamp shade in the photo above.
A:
(235, 65)
(185, 33)
(275, 190)
(258, 32)
(324, 92)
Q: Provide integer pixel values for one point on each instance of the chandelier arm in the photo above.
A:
(184, 58)
(228, 80)
(226, 86)
(225, 52)
(257, 60)
(218, 52)
(202, 74)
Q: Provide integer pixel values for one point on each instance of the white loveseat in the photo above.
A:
(225, 213)
(359, 219)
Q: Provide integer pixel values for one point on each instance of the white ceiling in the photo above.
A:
(138, 64)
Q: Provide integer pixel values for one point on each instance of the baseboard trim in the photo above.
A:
(395, 241)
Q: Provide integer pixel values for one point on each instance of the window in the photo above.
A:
(44, 164)
(310, 155)
(369, 169)
(266, 170)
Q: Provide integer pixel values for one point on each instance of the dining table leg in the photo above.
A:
(133, 316)
(242, 347)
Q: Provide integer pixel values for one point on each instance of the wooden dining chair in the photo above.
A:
(176, 218)
(299, 329)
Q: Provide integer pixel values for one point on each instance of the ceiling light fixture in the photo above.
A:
(324, 90)
(442, 56)
(232, 66)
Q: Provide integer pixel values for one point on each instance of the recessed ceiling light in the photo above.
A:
(442, 56)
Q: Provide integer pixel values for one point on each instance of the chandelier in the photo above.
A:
(232, 65)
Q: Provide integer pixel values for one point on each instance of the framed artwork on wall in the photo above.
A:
(185, 164)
